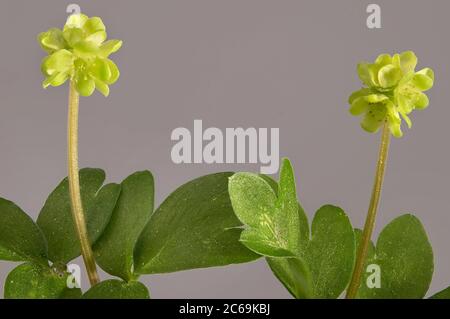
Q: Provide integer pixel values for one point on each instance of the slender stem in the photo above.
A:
(371, 215)
(74, 187)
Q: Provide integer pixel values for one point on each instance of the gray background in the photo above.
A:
(251, 63)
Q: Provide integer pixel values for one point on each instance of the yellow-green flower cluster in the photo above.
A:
(80, 53)
(393, 89)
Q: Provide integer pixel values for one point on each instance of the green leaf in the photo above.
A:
(56, 220)
(324, 264)
(294, 274)
(195, 227)
(330, 254)
(20, 238)
(272, 221)
(444, 294)
(117, 289)
(287, 204)
(262, 245)
(303, 219)
(253, 200)
(405, 257)
(71, 293)
(114, 250)
(304, 230)
(31, 281)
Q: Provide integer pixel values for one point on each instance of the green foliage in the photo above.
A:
(324, 268)
(331, 252)
(405, 258)
(319, 267)
(20, 238)
(117, 289)
(194, 227)
(114, 250)
(31, 281)
(272, 220)
(207, 222)
(294, 274)
(444, 294)
(55, 218)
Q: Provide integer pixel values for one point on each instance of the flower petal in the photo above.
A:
(52, 40)
(97, 38)
(93, 25)
(407, 119)
(359, 106)
(424, 79)
(60, 61)
(77, 20)
(100, 69)
(421, 101)
(405, 104)
(359, 93)
(102, 87)
(368, 74)
(56, 79)
(115, 73)
(73, 36)
(408, 61)
(374, 117)
(395, 129)
(389, 76)
(383, 59)
(394, 120)
(86, 49)
(109, 47)
(84, 84)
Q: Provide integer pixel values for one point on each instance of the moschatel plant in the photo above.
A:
(333, 257)
(114, 226)
(214, 220)
(79, 53)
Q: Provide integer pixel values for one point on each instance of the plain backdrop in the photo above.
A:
(289, 64)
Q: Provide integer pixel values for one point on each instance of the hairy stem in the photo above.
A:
(74, 187)
(371, 215)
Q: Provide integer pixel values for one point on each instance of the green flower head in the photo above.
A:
(80, 53)
(393, 89)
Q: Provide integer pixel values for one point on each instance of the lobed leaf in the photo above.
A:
(55, 218)
(405, 257)
(444, 294)
(117, 289)
(271, 216)
(277, 227)
(114, 249)
(294, 274)
(32, 281)
(330, 254)
(195, 227)
(20, 238)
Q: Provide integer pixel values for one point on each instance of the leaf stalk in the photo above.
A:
(371, 215)
(74, 186)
